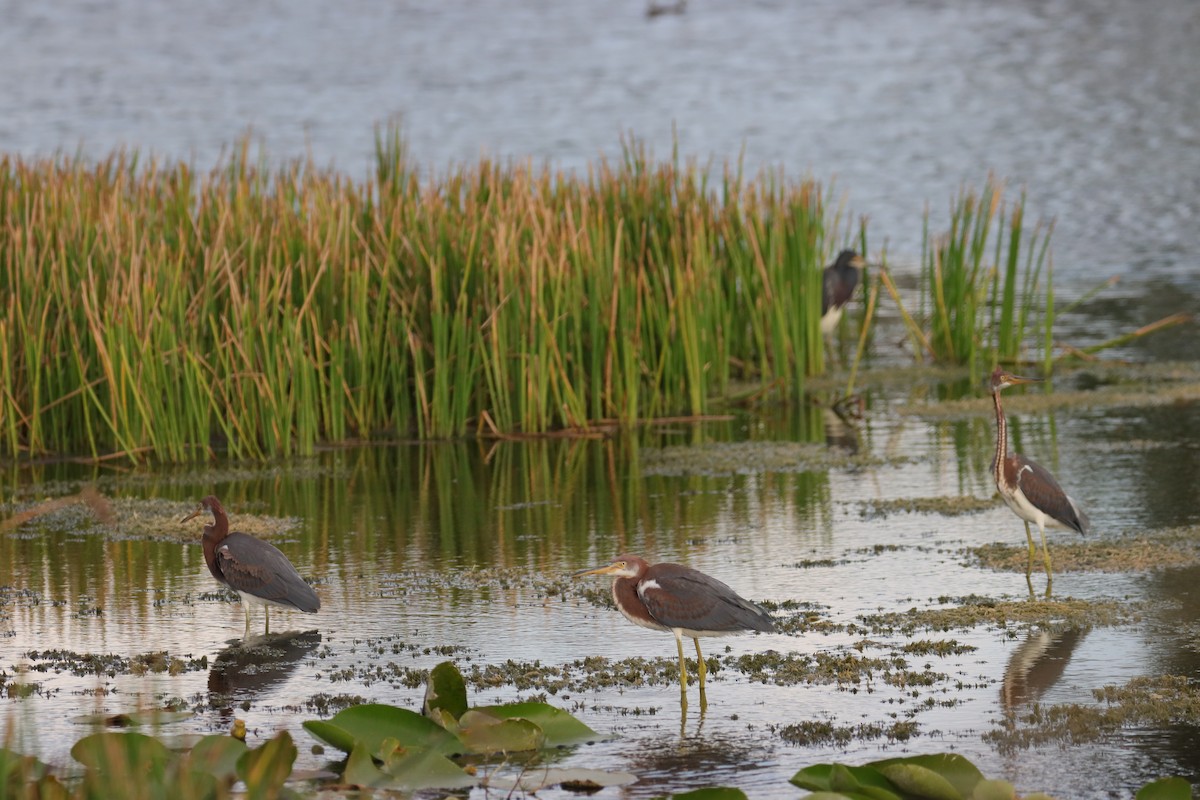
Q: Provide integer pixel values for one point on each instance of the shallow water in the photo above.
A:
(461, 551)
(1088, 105)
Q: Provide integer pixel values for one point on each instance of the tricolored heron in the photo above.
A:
(257, 571)
(839, 282)
(1026, 486)
(685, 601)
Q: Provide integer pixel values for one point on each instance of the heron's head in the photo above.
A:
(850, 258)
(621, 567)
(208, 504)
(1002, 380)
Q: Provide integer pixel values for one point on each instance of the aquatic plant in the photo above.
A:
(944, 776)
(147, 310)
(982, 283)
(396, 748)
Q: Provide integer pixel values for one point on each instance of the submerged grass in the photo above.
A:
(150, 310)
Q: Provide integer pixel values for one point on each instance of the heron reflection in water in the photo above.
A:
(684, 601)
(252, 671)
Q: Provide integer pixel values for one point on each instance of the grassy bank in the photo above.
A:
(151, 311)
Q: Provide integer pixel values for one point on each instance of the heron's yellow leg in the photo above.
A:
(703, 671)
(266, 620)
(1032, 550)
(1045, 550)
(682, 667)
(246, 608)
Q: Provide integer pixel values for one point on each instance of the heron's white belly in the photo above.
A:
(252, 600)
(1027, 511)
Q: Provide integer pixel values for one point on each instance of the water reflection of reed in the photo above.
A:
(541, 504)
(1037, 664)
(262, 664)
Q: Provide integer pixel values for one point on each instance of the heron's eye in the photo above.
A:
(621, 564)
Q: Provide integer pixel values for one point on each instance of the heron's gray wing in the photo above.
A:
(257, 568)
(681, 597)
(1043, 491)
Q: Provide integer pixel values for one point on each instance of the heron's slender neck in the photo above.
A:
(1001, 441)
(213, 534)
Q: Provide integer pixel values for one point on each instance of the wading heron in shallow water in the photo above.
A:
(1027, 487)
(839, 282)
(257, 571)
(682, 600)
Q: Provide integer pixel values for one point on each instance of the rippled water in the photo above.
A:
(420, 548)
(1089, 105)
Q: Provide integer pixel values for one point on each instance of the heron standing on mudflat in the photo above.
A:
(256, 570)
(1027, 487)
(682, 600)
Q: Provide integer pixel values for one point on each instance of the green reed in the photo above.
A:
(152, 311)
(981, 283)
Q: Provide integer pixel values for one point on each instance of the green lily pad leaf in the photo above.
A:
(561, 728)
(217, 755)
(408, 769)
(484, 734)
(993, 790)
(960, 773)
(446, 691)
(712, 793)
(20, 768)
(370, 724)
(414, 768)
(845, 781)
(534, 779)
(863, 781)
(265, 769)
(922, 782)
(135, 753)
(1165, 789)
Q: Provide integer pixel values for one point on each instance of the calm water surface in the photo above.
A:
(1089, 105)
(417, 548)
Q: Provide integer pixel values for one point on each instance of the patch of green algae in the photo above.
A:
(969, 612)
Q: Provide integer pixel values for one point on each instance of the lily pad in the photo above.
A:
(1165, 789)
(446, 691)
(22, 768)
(370, 724)
(133, 753)
(484, 734)
(846, 781)
(560, 727)
(217, 755)
(265, 769)
(714, 793)
(405, 768)
(959, 773)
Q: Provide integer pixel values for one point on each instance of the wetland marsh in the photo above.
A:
(905, 623)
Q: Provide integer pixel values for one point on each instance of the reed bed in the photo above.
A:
(151, 311)
(986, 284)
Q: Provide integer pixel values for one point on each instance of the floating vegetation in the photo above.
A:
(945, 506)
(129, 519)
(1177, 547)
(1159, 701)
(825, 732)
(110, 664)
(741, 458)
(1008, 615)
